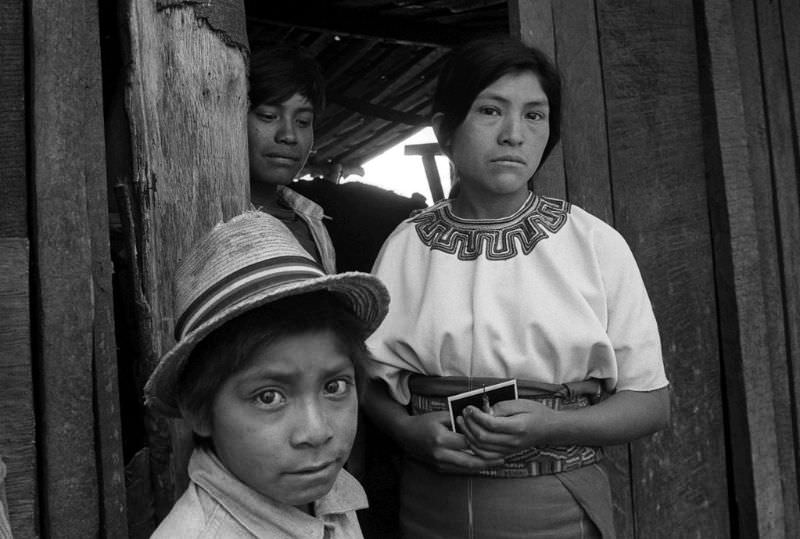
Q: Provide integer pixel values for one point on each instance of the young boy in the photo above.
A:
(263, 372)
(287, 93)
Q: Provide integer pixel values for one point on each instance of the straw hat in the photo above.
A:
(240, 265)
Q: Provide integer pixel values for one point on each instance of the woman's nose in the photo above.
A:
(511, 131)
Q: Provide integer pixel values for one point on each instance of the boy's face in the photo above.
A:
(285, 425)
(279, 137)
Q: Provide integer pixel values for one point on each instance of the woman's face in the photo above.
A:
(498, 146)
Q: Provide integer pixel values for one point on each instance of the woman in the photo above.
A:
(498, 283)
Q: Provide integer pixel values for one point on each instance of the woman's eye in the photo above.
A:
(270, 398)
(489, 111)
(337, 387)
(537, 116)
(304, 122)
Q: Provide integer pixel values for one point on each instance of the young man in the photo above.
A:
(287, 94)
(263, 372)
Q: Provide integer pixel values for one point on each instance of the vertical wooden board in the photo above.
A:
(17, 421)
(531, 21)
(67, 142)
(106, 382)
(749, 355)
(187, 105)
(584, 133)
(586, 165)
(657, 174)
(13, 189)
(777, 68)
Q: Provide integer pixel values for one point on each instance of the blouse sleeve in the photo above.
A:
(631, 325)
(392, 360)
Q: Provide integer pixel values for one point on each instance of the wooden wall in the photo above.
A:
(680, 129)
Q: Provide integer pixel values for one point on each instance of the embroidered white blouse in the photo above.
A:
(550, 293)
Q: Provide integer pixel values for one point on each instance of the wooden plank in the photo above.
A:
(106, 383)
(186, 102)
(67, 135)
(584, 139)
(13, 187)
(584, 133)
(17, 421)
(740, 251)
(784, 147)
(658, 178)
(531, 21)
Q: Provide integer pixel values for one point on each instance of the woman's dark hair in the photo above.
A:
(229, 349)
(474, 66)
(277, 72)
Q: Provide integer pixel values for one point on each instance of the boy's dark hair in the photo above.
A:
(477, 64)
(277, 72)
(229, 348)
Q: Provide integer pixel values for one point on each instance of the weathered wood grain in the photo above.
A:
(776, 68)
(741, 281)
(531, 21)
(187, 103)
(67, 138)
(13, 189)
(658, 179)
(17, 420)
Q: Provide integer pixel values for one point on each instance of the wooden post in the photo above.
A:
(187, 104)
(428, 152)
(78, 424)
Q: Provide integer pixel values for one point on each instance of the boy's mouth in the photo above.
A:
(314, 468)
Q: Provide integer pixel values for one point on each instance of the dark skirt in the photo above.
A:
(575, 504)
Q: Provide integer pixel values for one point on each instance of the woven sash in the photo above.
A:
(429, 394)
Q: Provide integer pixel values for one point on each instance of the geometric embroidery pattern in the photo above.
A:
(498, 239)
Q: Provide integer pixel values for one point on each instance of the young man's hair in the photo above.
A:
(277, 72)
(229, 349)
(471, 68)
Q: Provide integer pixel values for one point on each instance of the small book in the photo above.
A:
(481, 398)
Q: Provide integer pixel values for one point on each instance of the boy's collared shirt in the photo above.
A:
(312, 215)
(216, 504)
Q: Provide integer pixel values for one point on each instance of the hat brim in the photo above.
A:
(363, 293)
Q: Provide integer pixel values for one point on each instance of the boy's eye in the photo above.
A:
(337, 387)
(489, 111)
(270, 398)
(305, 122)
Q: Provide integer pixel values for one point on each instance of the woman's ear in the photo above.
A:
(196, 422)
(436, 123)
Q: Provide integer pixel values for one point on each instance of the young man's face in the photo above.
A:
(280, 137)
(285, 425)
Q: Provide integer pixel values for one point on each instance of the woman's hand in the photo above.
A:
(506, 428)
(429, 438)
(510, 426)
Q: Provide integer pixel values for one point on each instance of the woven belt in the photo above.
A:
(429, 394)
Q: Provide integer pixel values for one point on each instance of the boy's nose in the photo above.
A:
(313, 427)
(286, 133)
